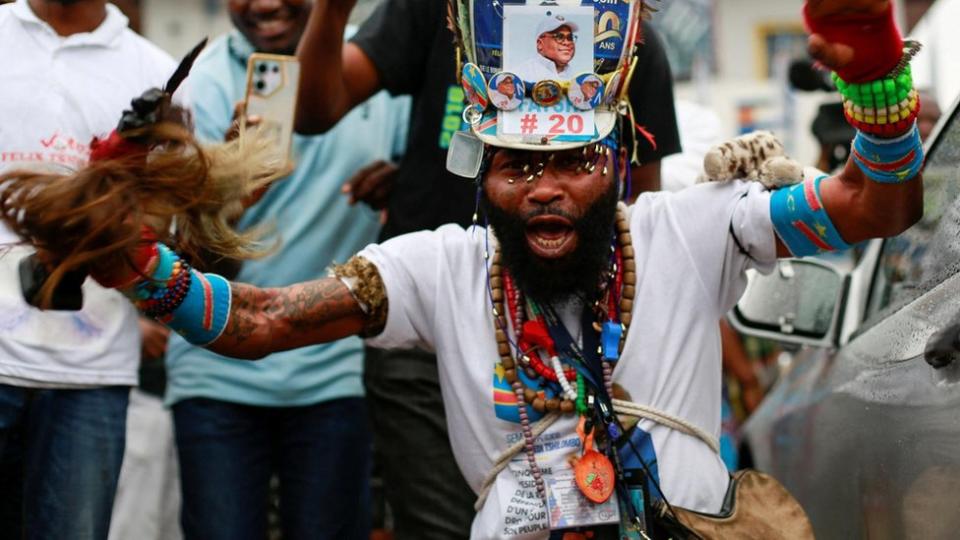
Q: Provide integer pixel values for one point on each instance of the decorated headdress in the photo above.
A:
(566, 65)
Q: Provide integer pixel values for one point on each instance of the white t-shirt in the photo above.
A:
(690, 272)
(58, 93)
(540, 68)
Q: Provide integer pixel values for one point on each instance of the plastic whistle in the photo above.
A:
(610, 336)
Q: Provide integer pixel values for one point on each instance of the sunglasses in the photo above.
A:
(562, 37)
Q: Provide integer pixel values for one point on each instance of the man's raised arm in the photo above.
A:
(879, 193)
(335, 76)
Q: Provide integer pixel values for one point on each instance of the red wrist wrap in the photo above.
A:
(875, 40)
(113, 147)
(140, 262)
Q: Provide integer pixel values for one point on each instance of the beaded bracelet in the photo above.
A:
(195, 305)
(165, 300)
(888, 121)
(885, 107)
(167, 287)
(880, 93)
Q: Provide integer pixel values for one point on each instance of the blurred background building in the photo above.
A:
(177, 25)
(733, 57)
(730, 56)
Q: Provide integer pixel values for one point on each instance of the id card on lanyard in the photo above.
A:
(568, 507)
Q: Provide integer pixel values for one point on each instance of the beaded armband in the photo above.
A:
(194, 304)
(802, 222)
(885, 107)
(889, 161)
(363, 279)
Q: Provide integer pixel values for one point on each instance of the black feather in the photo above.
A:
(183, 69)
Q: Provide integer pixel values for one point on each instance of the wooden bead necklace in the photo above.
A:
(528, 396)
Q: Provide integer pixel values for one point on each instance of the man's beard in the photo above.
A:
(557, 280)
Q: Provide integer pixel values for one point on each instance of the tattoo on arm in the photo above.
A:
(263, 321)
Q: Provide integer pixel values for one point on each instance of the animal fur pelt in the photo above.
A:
(755, 156)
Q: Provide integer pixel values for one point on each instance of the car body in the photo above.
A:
(863, 427)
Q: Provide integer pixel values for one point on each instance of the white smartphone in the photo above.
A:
(272, 82)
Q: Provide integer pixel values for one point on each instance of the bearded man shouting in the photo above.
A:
(578, 343)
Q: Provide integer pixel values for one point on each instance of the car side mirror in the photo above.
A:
(798, 303)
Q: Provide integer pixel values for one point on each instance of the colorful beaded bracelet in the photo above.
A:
(880, 93)
(887, 122)
(166, 289)
(167, 299)
(887, 114)
(882, 115)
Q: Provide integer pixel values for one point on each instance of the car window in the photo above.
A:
(928, 252)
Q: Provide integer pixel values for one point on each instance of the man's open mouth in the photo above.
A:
(550, 236)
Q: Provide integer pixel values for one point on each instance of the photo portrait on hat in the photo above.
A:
(551, 49)
(506, 91)
(586, 91)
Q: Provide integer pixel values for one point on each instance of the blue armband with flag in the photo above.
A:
(889, 161)
(191, 303)
(203, 315)
(802, 222)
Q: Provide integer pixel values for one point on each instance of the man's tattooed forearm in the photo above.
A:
(267, 320)
(309, 306)
(243, 310)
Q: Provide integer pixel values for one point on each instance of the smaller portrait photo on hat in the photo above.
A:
(586, 91)
(475, 86)
(506, 91)
(547, 42)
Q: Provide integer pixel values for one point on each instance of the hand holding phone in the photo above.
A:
(271, 96)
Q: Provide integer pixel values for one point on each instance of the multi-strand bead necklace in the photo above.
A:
(614, 306)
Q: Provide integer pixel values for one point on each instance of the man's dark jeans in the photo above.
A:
(61, 454)
(228, 453)
(422, 482)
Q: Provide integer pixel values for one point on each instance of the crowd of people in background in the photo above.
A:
(205, 449)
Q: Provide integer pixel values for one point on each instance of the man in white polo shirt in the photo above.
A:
(70, 68)
(556, 47)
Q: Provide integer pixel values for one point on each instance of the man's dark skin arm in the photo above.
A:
(347, 77)
(862, 209)
(859, 207)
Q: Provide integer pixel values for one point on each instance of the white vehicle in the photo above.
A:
(864, 427)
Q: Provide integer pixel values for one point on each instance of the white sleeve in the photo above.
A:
(410, 266)
(727, 229)
(751, 243)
